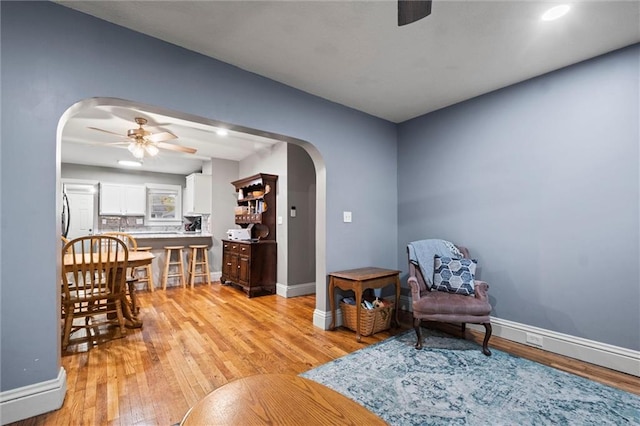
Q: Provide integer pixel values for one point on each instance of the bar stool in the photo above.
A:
(169, 250)
(203, 263)
(146, 270)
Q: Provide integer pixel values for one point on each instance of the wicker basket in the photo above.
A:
(371, 320)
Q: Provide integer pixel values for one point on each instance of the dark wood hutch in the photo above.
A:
(252, 264)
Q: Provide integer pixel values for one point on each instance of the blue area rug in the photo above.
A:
(450, 382)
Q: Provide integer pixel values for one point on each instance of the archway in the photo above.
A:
(321, 317)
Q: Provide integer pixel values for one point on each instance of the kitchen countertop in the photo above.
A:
(160, 235)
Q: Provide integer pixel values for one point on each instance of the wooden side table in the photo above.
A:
(359, 280)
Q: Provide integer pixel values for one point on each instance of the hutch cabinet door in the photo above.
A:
(244, 270)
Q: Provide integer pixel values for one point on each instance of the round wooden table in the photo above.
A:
(280, 399)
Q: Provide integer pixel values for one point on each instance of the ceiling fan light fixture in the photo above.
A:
(151, 149)
(556, 12)
(137, 151)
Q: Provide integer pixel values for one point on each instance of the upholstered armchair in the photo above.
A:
(433, 305)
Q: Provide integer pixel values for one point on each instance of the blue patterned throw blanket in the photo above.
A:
(422, 252)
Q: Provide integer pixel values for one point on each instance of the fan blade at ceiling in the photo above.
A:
(412, 10)
(178, 148)
(161, 137)
(107, 131)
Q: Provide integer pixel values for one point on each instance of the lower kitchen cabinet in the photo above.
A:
(251, 266)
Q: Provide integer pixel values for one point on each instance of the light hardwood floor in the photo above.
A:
(194, 341)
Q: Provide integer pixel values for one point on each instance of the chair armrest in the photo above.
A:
(481, 290)
(415, 288)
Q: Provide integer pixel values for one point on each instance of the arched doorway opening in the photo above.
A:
(321, 317)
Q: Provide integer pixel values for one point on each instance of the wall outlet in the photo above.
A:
(534, 339)
(346, 216)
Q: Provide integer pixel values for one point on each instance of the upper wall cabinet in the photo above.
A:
(122, 200)
(197, 195)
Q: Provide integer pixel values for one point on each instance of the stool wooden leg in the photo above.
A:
(182, 278)
(167, 260)
(206, 265)
(150, 277)
(192, 267)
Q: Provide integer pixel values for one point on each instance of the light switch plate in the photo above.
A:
(346, 217)
(279, 220)
(139, 221)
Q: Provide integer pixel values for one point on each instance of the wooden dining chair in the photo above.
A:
(92, 286)
(127, 238)
(131, 279)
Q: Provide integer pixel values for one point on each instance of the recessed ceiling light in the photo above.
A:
(222, 132)
(556, 12)
(130, 163)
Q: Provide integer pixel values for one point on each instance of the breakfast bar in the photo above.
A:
(158, 240)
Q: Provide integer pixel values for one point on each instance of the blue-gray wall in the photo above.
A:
(540, 181)
(53, 57)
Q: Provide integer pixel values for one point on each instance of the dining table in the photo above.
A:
(281, 399)
(135, 259)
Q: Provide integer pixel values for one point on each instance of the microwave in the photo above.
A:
(239, 234)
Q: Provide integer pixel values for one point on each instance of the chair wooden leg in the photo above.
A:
(68, 322)
(416, 326)
(487, 335)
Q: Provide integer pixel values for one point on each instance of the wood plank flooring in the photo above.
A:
(194, 341)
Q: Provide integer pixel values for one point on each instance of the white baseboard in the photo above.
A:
(32, 400)
(215, 276)
(295, 290)
(322, 319)
(602, 354)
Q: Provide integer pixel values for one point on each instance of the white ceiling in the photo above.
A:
(353, 52)
(83, 145)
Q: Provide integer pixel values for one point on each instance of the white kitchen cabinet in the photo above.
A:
(197, 195)
(122, 199)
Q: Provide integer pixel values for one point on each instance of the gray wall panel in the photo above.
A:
(541, 182)
(54, 57)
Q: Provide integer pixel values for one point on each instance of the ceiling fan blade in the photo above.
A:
(176, 148)
(412, 10)
(161, 137)
(107, 131)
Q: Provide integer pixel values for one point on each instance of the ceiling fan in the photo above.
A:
(412, 10)
(142, 141)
